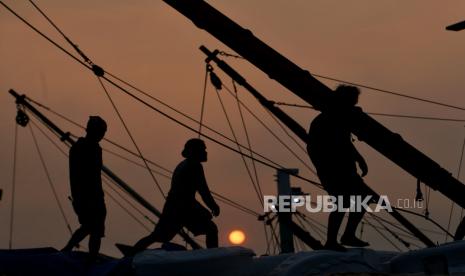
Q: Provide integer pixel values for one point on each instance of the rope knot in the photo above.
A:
(98, 71)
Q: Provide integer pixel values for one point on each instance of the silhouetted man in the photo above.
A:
(181, 208)
(331, 150)
(85, 164)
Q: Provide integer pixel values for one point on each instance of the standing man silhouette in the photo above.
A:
(335, 157)
(85, 164)
(181, 209)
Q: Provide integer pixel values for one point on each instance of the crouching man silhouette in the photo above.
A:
(181, 209)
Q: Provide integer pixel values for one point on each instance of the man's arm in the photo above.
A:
(206, 195)
(360, 160)
(358, 157)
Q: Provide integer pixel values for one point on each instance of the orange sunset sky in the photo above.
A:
(396, 45)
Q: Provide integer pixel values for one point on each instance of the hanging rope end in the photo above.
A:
(419, 194)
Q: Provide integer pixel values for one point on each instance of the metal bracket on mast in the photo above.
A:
(285, 218)
(287, 227)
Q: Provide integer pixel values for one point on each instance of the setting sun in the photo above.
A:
(236, 237)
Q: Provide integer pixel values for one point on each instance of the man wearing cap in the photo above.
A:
(181, 209)
(85, 164)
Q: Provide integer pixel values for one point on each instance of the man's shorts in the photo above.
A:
(93, 219)
(197, 219)
(346, 187)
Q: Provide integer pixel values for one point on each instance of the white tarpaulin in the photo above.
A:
(448, 258)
